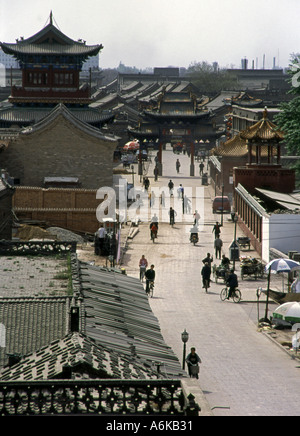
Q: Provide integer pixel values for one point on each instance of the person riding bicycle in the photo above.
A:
(153, 229)
(206, 272)
(143, 265)
(225, 262)
(193, 361)
(150, 277)
(232, 283)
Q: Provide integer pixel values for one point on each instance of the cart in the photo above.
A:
(220, 272)
(243, 242)
(250, 266)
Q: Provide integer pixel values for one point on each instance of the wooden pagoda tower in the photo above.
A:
(51, 63)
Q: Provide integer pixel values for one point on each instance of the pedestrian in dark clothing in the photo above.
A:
(217, 229)
(150, 277)
(146, 183)
(171, 187)
(193, 361)
(206, 272)
(218, 247)
(208, 259)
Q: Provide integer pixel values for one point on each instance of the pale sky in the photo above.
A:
(161, 33)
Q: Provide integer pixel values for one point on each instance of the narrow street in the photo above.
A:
(242, 373)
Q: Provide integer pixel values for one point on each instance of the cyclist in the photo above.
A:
(193, 361)
(232, 283)
(143, 265)
(150, 277)
(206, 272)
(153, 229)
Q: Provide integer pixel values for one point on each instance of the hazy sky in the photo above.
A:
(160, 33)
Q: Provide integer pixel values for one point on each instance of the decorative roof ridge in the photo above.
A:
(263, 129)
(61, 109)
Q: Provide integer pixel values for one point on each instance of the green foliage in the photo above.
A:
(210, 80)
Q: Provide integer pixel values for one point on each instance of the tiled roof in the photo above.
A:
(27, 115)
(237, 147)
(31, 323)
(84, 356)
(50, 40)
(262, 130)
(62, 110)
(233, 147)
(117, 312)
(119, 335)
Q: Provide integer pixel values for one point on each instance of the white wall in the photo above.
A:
(281, 231)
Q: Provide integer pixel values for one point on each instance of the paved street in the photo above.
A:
(243, 373)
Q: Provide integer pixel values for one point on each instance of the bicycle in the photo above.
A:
(150, 289)
(153, 235)
(206, 284)
(236, 295)
(142, 272)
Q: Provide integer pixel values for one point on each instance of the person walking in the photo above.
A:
(172, 214)
(206, 273)
(217, 229)
(196, 218)
(180, 191)
(146, 183)
(218, 244)
(155, 173)
(178, 165)
(201, 167)
(193, 360)
(171, 187)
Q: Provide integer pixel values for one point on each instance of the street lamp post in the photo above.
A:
(222, 212)
(184, 338)
(235, 220)
(132, 169)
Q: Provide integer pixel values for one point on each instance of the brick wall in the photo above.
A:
(73, 209)
(60, 149)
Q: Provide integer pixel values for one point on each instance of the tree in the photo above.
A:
(288, 119)
(209, 79)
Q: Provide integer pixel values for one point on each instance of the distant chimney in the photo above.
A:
(74, 319)
(244, 64)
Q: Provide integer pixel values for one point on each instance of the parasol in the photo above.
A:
(277, 266)
(131, 146)
(287, 313)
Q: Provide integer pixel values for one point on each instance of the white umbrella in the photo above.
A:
(288, 312)
(282, 265)
(277, 266)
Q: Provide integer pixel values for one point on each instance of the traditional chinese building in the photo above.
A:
(50, 63)
(177, 119)
(261, 174)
